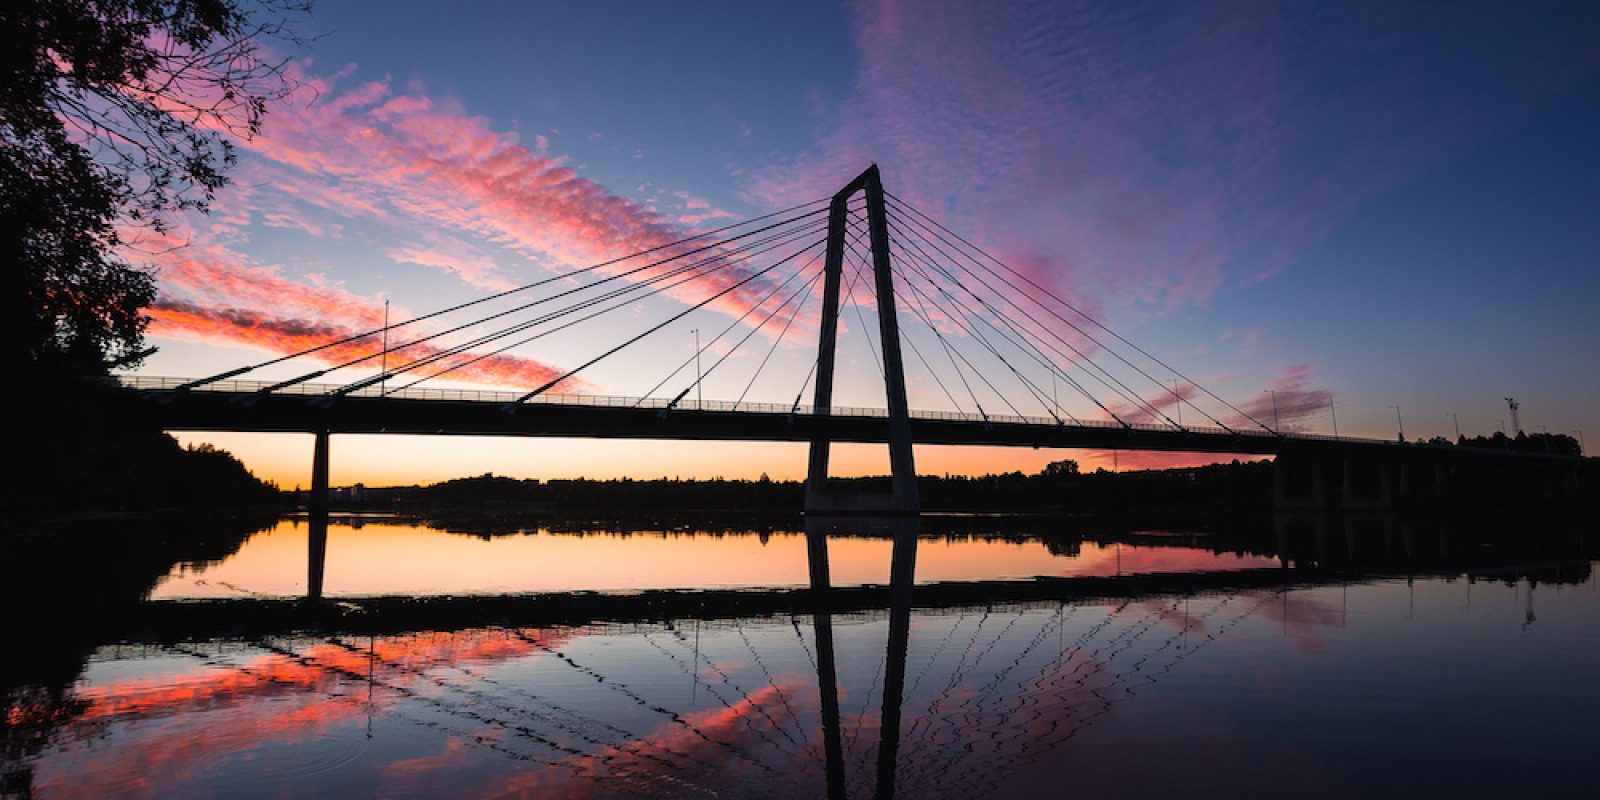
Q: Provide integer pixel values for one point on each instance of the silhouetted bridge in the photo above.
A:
(1002, 336)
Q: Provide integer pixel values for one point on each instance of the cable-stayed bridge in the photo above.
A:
(997, 358)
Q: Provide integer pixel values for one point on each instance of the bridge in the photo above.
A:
(998, 336)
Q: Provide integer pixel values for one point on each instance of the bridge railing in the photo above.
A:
(148, 382)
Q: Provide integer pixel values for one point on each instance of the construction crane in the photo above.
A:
(1516, 424)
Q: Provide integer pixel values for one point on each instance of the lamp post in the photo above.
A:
(1277, 427)
(383, 369)
(1335, 413)
(1400, 423)
(1457, 421)
(699, 389)
(1179, 399)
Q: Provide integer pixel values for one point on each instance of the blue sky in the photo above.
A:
(1376, 204)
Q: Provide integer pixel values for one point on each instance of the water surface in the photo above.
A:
(1372, 659)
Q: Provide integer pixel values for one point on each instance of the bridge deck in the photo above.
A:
(240, 406)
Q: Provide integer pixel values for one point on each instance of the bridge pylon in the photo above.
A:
(904, 498)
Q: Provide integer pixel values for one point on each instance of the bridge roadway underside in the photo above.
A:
(221, 411)
(226, 411)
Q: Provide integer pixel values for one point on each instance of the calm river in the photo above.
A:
(202, 658)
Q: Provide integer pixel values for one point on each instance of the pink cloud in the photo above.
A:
(179, 319)
(1148, 157)
(361, 151)
(470, 265)
(1290, 395)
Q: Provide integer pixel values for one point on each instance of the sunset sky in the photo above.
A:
(1369, 204)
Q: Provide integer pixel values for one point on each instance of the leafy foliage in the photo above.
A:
(115, 114)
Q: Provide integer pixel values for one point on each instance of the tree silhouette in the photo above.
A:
(113, 115)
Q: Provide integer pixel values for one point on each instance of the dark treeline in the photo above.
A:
(76, 456)
(1556, 444)
(1060, 487)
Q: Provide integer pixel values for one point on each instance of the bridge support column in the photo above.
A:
(317, 501)
(827, 675)
(902, 576)
(317, 512)
(902, 466)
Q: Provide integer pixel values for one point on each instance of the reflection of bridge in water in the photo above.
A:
(1003, 672)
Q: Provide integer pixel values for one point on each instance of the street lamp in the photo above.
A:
(1335, 413)
(1399, 422)
(383, 368)
(1179, 398)
(1276, 426)
(699, 389)
(1457, 421)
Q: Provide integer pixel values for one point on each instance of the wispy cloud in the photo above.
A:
(1152, 154)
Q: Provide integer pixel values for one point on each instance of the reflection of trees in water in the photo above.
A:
(65, 582)
(991, 690)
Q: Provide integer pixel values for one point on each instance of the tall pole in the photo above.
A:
(1581, 448)
(384, 369)
(1335, 413)
(699, 389)
(1179, 398)
(1277, 427)
(1457, 420)
(1400, 423)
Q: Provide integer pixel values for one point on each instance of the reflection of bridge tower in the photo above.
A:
(902, 467)
(902, 577)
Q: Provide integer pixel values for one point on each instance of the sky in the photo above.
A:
(1329, 208)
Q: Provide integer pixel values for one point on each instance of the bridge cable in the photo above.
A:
(1127, 394)
(1050, 406)
(920, 313)
(753, 330)
(356, 337)
(793, 314)
(816, 363)
(952, 353)
(972, 332)
(742, 253)
(691, 359)
(866, 334)
(775, 342)
(624, 304)
(657, 327)
(914, 302)
(906, 338)
(976, 336)
(1076, 310)
(689, 272)
(403, 346)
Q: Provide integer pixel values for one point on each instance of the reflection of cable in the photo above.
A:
(623, 690)
(694, 675)
(574, 726)
(782, 698)
(1034, 694)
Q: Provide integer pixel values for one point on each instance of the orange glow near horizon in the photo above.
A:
(399, 460)
(393, 558)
